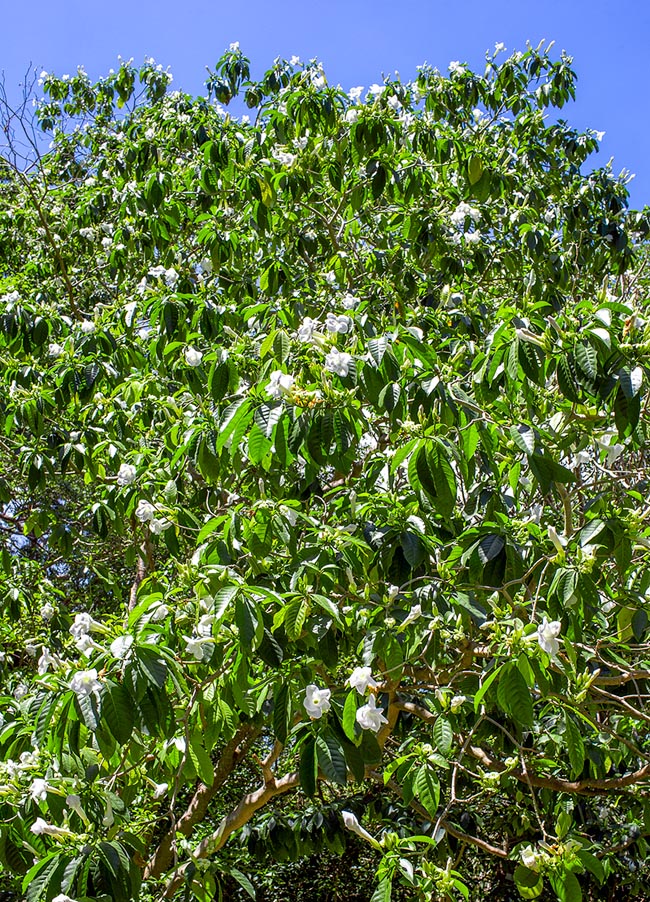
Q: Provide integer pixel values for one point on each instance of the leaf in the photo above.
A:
(485, 685)
(566, 887)
(382, 891)
(413, 548)
(331, 758)
(349, 716)
(248, 621)
(201, 760)
(427, 789)
(514, 696)
(117, 711)
(443, 736)
(436, 477)
(281, 711)
(294, 619)
(575, 744)
(244, 882)
(587, 361)
(524, 438)
(474, 169)
(308, 767)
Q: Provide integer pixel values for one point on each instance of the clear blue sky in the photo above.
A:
(357, 41)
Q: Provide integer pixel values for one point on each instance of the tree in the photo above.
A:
(323, 479)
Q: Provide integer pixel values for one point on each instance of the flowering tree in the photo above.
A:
(323, 478)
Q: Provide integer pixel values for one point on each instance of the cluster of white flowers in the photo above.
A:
(54, 349)
(338, 324)
(369, 716)
(145, 511)
(456, 68)
(284, 157)
(338, 362)
(462, 212)
(80, 632)
(280, 385)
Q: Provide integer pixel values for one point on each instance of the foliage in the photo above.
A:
(323, 475)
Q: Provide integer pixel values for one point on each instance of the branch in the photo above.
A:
(237, 818)
(234, 752)
(581, 787)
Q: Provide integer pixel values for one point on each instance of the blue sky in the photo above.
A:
(357, 41)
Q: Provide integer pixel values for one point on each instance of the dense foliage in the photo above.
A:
(323, 477)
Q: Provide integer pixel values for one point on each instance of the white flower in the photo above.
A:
(349, 302)
(158, 525)
(204, 626)
(41, 827)
(83, 623)
(63, 898)
(355, 93)
(171, 277)
(199, 648)
(351, 116)
(499, 47)
(234, 47)
(85, 645)
(456, 68)
(461, 213)
(472, 237)
(159, 790)
(159, 613)
(284, 157)
(338, 362)
(38, 790)
(47, 611)
(145, 511)
(362, 679)
(294, 61)
(306, 329)
(119, 647)
(547, 636)
(317, 701)
(280, 385)
(126, 474)
(330, 278)
(45, 661)
(54, 350)
(87, 326)
(414, 614)
(85, 683)
(74, 804)
(193, 357)
(352, 824)
(457, 702)
(376, 90)
(342, 324)
(370, 717)
(530, 858)
(20, 691)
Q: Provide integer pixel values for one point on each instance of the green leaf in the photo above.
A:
(575, 744)
(514, 697)
(281, 711)
(427, 789)
(443, 736)
(331, 758)
(566, 887)
(485, 686)
(587, 361)
(117, 711)
(244, 882)
(308, 767)
(349, 716)
(474, 169)
(382, 891)
(294, 619)
(201, 760)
